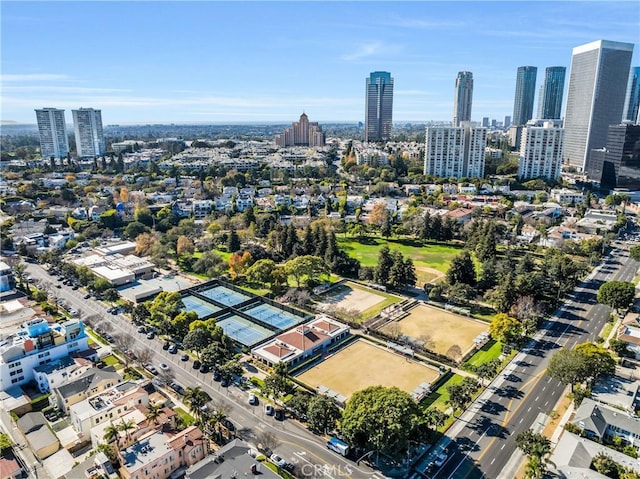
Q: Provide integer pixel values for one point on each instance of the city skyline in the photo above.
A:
(203, 66)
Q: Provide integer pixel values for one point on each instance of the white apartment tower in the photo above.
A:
(87, 124)
(455, 152)
(53, 133)
(541, 150)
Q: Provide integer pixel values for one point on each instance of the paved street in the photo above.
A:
(297, 444)
(482, 442)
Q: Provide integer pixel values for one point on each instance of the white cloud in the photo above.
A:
(27, 77)
(364, 51)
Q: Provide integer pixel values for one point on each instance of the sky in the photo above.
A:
(235, 62)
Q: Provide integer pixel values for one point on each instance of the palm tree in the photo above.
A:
(153, 412)
(111, 433)
(196, 398)
(126, 426)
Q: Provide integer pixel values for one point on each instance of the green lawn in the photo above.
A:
(440, 396)
(110, 360)
(437, 256)
(187, 418)
(489, 351)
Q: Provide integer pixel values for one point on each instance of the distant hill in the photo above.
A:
(11, 122)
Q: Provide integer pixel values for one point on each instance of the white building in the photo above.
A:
(107, 405)
(455, 152)
(53, 133)
(564, 195)
(38, 343)
(541, 150)
(87, 124)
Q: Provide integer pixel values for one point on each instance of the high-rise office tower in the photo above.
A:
(457, 152)
(87, 124)
(379, 107)
(633, 105)
(525, 94)
(53, 133)
(550, 98)
(541, 150)
(595, 99)
(618, 163)
(462, 98)
(507, 122)
(485, 122)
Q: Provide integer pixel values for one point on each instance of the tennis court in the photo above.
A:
(243, 331)
(274, 316)
(224, 296)
(198, 306)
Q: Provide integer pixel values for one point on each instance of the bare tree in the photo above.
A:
(393, 330)
(427, 341)
(143, 355)
(454, 352)
(268, 440)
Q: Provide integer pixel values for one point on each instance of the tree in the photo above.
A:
(382, 270)
(233, 243)
(599, 360)
(569, 367)
(462, 270)
(459, 396)
(434, 418)
(505, 328)
(299, 404)
(604, 464)
(634, 252)
(310, 266)
(238, 264)
(261, 271)
(196, 340)
(196, 398)
(381, 419)
(616, 294)
(144, 242)
(153, 412)
(277, 384)
(5, 442)
(184, 245)
(322, 414)
(126, 426)
(538, 449)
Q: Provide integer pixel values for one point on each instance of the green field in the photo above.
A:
(440, 397)
(436, 256)
(489, 351)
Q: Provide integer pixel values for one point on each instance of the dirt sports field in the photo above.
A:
(350, 296)
(440, 328)
(362, 364)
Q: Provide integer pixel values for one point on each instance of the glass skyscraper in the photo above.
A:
(379, 107)
(550, 99)
(633, 105)
(525, 94)
(87, 124)
(595, 99)
(53, 133)
(463, 97)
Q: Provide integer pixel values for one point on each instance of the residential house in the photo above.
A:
(79, 388)
(232, 460)
(107, 405)
(159, 455)
(58, 372)
(564, 195)
(605, 423)
(42, 441)
(461, 215)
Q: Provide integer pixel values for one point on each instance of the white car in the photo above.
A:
(163, 366)
(277, 460)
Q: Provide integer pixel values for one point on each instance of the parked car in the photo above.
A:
(141, 329)
(440, 460)
(289, 467)
(228, 424)
(279, 414)
(163, 366)
(204, 369)
(173, 349)
(184, 357)
(86, 296)
(216, 375)
(196, 364)
(177, 387)
(224, 382)
(151, 335)
(268, 409)
(151, 368)
(253, 400)
(277, 460)
(166, 345)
